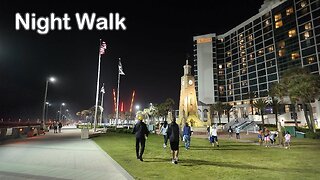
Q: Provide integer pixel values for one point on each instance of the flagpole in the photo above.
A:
(117, 108)
(102, 94)
(97, 92)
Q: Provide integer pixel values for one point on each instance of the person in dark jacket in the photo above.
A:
(173, 134)
(141, 132)
(187, 136)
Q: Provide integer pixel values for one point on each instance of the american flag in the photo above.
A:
(103, 47)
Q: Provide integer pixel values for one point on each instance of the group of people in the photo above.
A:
(230, 132)
(267, 138)
(56, 126)
(170, 132)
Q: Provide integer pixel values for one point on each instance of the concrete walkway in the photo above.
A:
(57, 156)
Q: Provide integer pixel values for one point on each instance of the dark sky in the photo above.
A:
(153, 50)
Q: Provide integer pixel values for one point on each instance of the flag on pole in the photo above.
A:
(103, 47)
(120, 69)
(102, 89)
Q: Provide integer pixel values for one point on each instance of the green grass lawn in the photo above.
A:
(232, 160)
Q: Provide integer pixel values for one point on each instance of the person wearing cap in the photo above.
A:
(141, 131)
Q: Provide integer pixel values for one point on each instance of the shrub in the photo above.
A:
(312, 135)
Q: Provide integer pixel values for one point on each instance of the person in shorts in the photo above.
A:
(173, 134)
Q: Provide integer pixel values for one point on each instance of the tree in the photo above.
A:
(218, 107)
(261, 105)
(251, 96)
(169, 103)
(275, 103)
(300, 86)
(227, 107)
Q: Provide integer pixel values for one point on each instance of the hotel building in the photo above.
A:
(253, 55)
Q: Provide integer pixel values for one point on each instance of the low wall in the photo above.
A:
(19, 132)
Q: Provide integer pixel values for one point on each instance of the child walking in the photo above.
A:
(287, 138)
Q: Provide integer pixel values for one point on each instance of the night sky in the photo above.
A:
(153, 50)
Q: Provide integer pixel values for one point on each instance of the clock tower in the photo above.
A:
(188, 107)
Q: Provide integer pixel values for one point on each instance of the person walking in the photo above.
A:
(287, 139)
(214, 135)
(141, 132)
(173, 134)
(163, 131)
(230, 131)
(187, 136)
(59, 126)
(55, 127)
(237, 132)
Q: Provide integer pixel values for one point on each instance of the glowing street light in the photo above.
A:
(62, 104)
(137, 107)
(50, 79)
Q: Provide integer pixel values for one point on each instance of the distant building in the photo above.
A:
(253, 55)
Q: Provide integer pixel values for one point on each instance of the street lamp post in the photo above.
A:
(51, 79)
(62, 104)
(47, 107)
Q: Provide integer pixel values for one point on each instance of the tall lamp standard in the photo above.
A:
(47, 107)
(50, 79)
(62, 104)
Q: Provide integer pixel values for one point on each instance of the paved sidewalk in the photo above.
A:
(57, 156)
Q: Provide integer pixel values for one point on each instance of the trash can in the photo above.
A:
(300, 134)
(85, 133)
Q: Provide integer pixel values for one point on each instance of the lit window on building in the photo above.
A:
(243, 59)
(295, 55)
(230, 92)
(229, 64)
(241, 41)
(292, 33)
(289, 11)
(278, 24)
(250, 37)
(267, 22)
(281, 52)
(243, 52)
(228, 53)
(221, 89)
(221, 40)
(277, 17)
(306, 35)
(250, 43)
(244, 64)
(310, 60)
(244, 71)
(303, 4)
(241, 47)
(221, 72)
(251, 56)
(240, 36)
(281, 44)
(244, 83)
(230, 86)
(270, 48)
(220, 66)
(260, 52)
(307, 26)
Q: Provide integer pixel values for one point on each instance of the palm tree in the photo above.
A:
(261, 105)
(275, 103)
(218, 107)
(169, 103)
(303, 87)
(227, 107)
(251, 96)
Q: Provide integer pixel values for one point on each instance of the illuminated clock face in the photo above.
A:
(190, 82)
